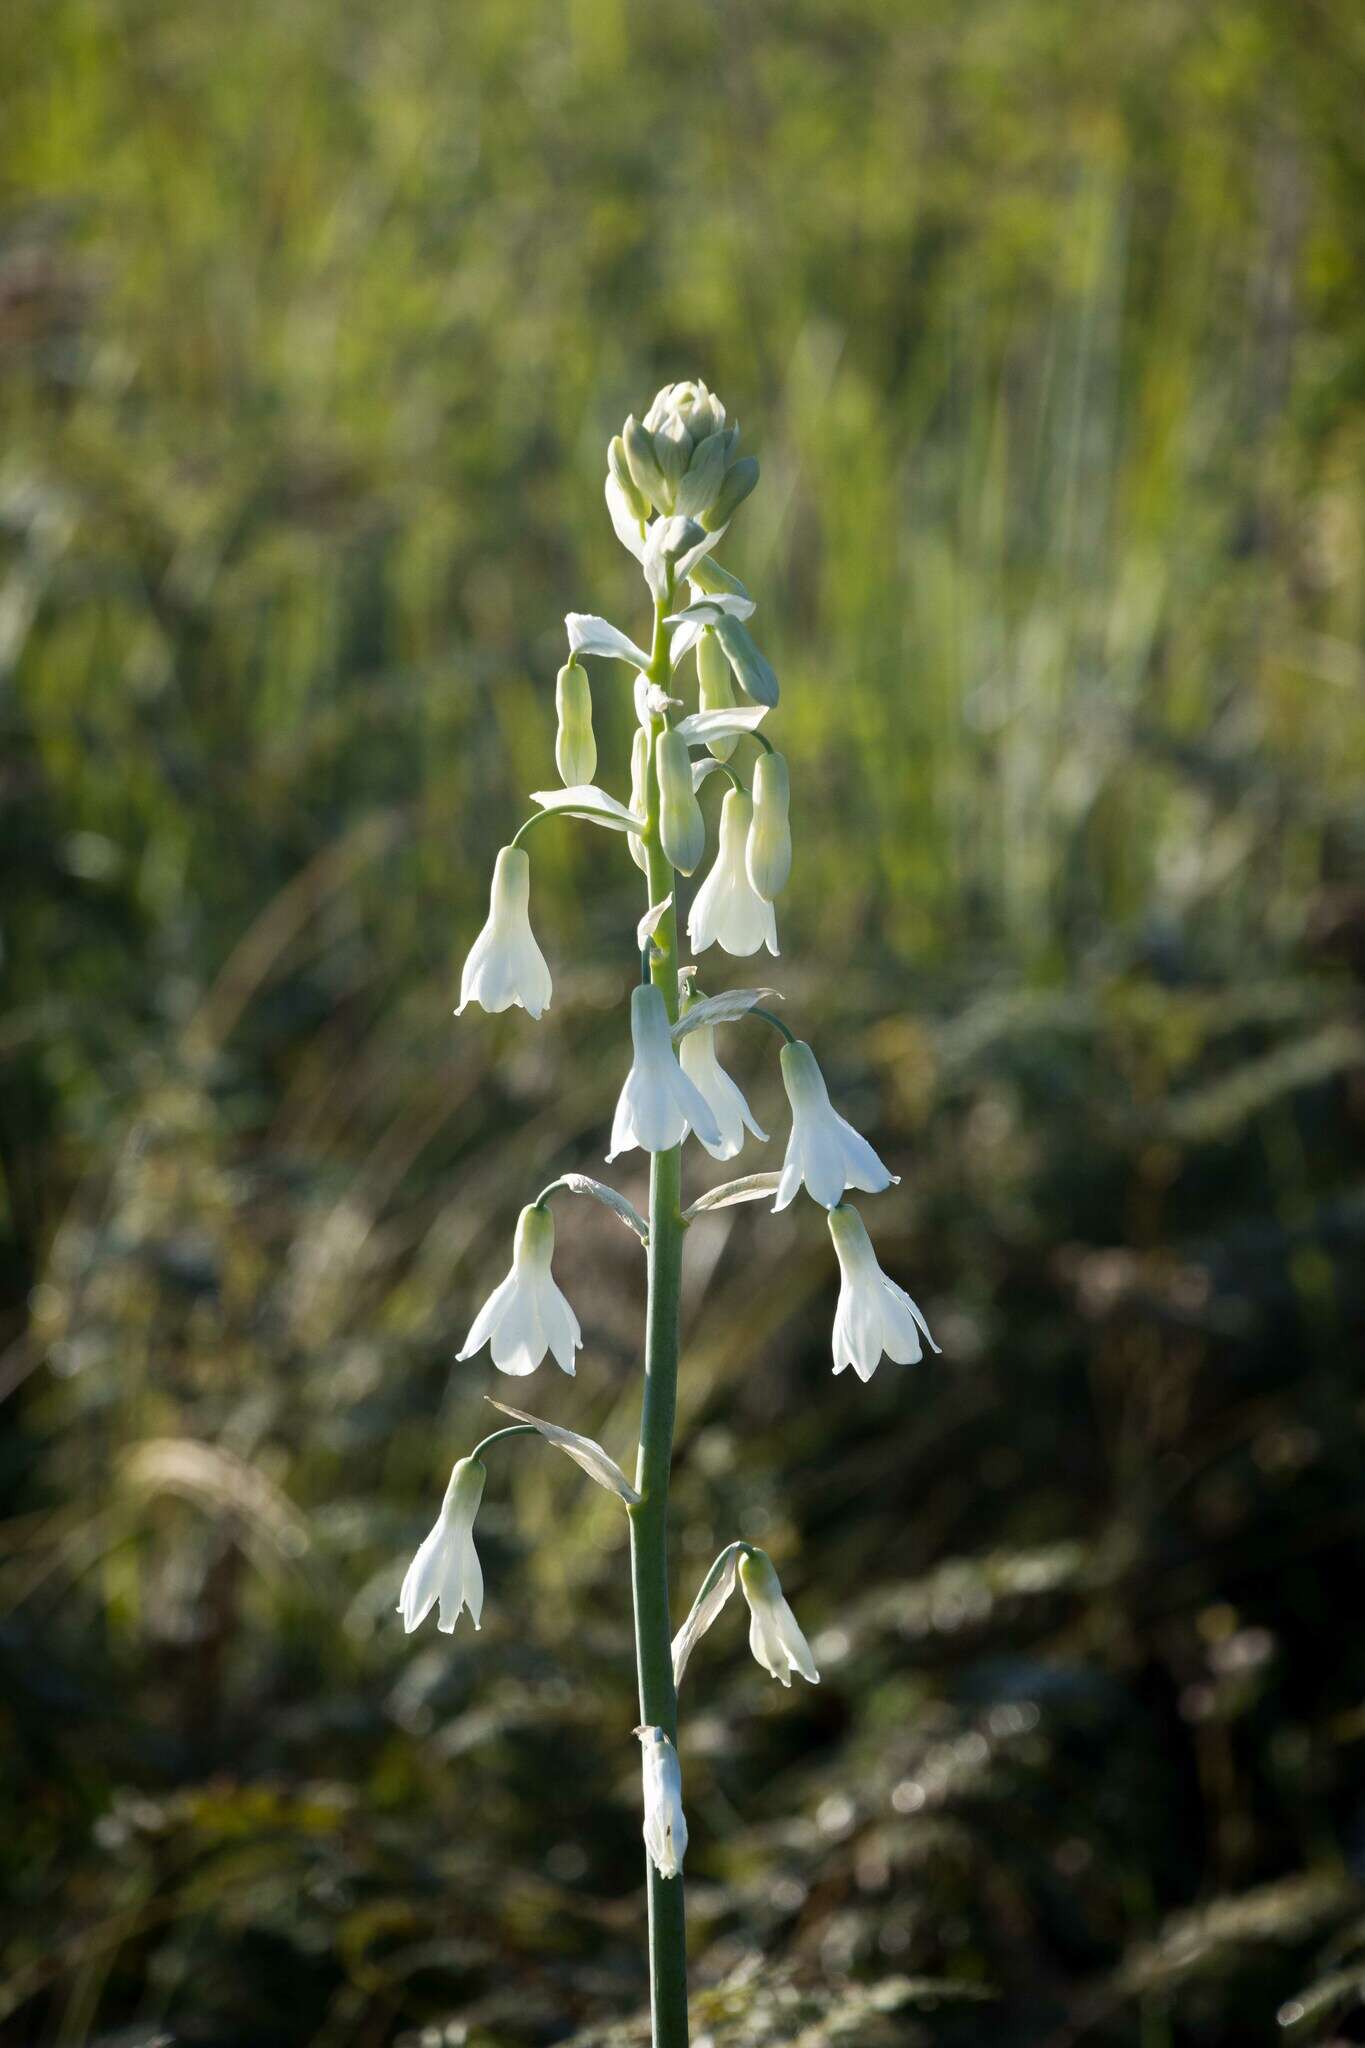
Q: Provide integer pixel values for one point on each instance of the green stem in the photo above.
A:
(512, 1429)
(649, 1518)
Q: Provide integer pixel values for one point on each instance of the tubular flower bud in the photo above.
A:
(701, 485)
(575, 747)
(639, 794)
(727, 909)
(643, 465)
(740, 479)
(768, 852)
(774, 1633)
(824, 1150)
(715, 690)
(874, 1315)
(658, 1103)
(665, 1828)
(446, 1567)
(682, 828)
(697, 1056)
(637, 502)
(505, 965)
(527, 1315)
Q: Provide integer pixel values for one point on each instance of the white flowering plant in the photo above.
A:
(674, 484)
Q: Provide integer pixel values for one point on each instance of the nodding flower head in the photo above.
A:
(658, 1103)
(505, 965)
(697, 1056)
(446, 1567)
(727, 910)
(526, 1315)
(775, 1635)
(874, 1315)
(824, 1150)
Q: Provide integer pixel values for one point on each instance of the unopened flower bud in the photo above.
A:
(639, 793)
(705, 474)
(689, 406)
(740, 479)
(715, 690)
(768, 851)
(636, 500)
(682, 829)
(575, 747)
(643, 464)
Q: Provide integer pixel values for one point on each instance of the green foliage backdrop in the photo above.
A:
(1046, 323)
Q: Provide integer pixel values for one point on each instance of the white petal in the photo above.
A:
(861, 1165)
(560, 1325)
(589, 634)
(489, 1316)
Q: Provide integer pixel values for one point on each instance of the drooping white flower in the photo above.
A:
(874, 1315)
(665, 1828)
(774, 1633)
(505, 965)
(658, 1103)
(527, 1315)
(727, 909)
(824, 1150)
(697, 1057)
(446, 1567)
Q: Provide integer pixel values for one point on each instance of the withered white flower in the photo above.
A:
(665, 1828)
(446, 1567)
(505, 965)
(526, 1315)
(873, 1315)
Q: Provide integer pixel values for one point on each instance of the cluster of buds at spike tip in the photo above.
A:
(681, 459)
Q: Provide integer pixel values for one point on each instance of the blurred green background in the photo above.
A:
(1046, 323)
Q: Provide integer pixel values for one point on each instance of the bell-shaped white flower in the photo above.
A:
(446, 1567)
(527, 1315)
(658, 1103)
(774, 1633)
(727, 909)
(665, 1827)
(505, 965)
(824, 1150)
(697, 1057)
(874, 1315)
